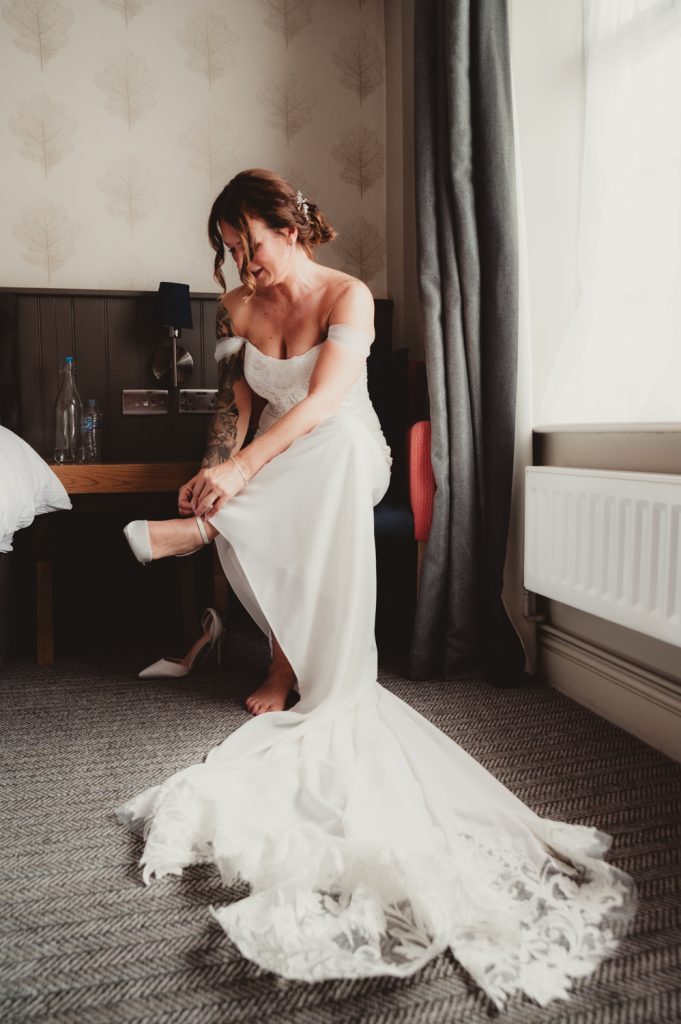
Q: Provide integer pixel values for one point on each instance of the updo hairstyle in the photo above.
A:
(269, 197)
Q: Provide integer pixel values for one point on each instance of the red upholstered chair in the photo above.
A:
(421, 486)
(400, 394)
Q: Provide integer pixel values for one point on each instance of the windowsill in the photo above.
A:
(633, 447)
(607, 428)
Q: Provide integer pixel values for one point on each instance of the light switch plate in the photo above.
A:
(145, 403)
(201, 400)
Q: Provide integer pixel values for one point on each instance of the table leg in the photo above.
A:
(43, 591)
(190, 611)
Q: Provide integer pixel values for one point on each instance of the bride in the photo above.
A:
(371, 841)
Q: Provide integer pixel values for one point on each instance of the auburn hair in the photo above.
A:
(272, 199)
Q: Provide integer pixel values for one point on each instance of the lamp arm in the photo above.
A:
(174, 334)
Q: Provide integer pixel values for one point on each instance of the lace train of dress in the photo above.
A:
(371, 841)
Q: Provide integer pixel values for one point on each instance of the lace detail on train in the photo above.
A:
(525, 912)
(362, 912)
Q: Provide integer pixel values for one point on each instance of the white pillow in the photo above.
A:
(28, 487)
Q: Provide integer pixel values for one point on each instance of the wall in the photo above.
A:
(546, 54)
(629, 678)
(632, 679)
(400, 182)
(122, 119)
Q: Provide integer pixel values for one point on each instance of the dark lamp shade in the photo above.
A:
(174, 305)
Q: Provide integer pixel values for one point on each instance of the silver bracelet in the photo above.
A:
(243, 475)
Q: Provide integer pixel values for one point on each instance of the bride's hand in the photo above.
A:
(184, 499)
(213, 487)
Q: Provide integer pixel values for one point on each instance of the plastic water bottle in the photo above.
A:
(92, 432)
(68, 437)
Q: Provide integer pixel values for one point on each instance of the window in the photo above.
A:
(620, 361)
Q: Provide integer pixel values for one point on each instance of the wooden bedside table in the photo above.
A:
(116, 478)
(123, 477)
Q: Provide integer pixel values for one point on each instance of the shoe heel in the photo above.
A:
(201, 652)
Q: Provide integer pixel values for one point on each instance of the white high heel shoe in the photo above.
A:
(137, 535)
(211, 639)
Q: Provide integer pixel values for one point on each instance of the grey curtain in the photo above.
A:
(468, 279)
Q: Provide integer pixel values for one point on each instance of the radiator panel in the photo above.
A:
(608, 543)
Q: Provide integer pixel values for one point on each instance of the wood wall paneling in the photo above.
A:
(123, 434)
(50, 361)
(190, 436)
(156, 432)
(10, 397)
(33, 398)
(113, 336)
(90, 343)
(64, 327)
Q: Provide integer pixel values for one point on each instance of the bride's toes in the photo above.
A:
(268, 697)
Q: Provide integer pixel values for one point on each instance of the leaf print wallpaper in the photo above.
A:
(122, 119)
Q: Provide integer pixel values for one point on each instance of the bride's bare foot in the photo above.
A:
(177, 536)
(271, 696)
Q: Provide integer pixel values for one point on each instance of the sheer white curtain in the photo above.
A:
(621, 358)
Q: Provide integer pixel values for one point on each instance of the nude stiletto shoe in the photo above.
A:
(210, 639)
(137, 535)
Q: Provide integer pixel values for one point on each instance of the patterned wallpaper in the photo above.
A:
(122, 119)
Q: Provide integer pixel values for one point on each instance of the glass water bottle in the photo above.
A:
(68, 437)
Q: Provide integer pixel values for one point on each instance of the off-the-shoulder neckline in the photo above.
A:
(286, 359)
(300, 355)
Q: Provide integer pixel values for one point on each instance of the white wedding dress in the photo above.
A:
(371, 841)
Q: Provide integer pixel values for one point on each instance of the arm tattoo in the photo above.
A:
(223, 323)
(222, 433)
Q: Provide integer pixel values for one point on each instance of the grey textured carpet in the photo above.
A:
(84, 941)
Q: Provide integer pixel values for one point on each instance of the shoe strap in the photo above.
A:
(209, 620)
(202, 531)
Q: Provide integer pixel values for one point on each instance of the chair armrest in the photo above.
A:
(421, 479)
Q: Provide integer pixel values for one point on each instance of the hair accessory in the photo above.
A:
(301, 203)
(238, 466)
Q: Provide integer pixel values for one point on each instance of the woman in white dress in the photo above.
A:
(371, 841)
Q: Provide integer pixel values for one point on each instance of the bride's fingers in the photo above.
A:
(220, 503)
(201, 483)
(201, 492)
(205, 505)
(198, 503)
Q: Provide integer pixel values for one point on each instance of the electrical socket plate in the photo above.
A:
(201, 400)
(145, 403)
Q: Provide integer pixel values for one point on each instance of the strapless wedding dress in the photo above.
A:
(371, 841)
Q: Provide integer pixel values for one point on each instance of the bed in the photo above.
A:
(28, 488)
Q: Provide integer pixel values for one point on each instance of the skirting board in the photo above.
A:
(645, 704)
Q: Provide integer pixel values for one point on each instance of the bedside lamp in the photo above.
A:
(175, 312)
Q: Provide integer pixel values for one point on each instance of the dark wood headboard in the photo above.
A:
(113, 336)
(10, 397)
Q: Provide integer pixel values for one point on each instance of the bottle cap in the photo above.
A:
(92, 401)
(68, 359)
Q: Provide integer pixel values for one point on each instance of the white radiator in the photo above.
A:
(608, 543)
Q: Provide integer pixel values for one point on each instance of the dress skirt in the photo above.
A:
(371, 841)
